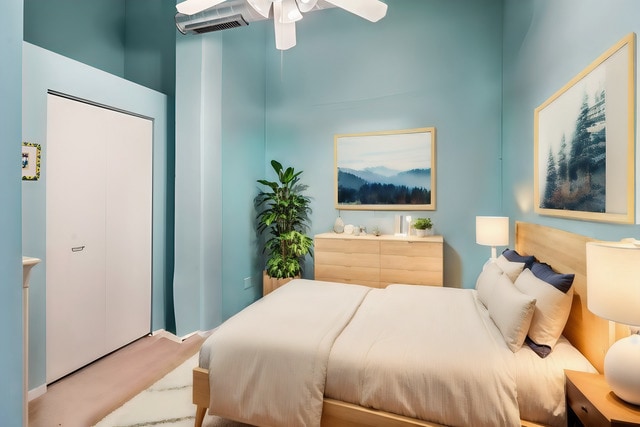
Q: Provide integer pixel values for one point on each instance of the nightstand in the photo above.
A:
(591, 403)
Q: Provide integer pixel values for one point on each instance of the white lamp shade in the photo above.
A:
(613, 281)
(492, 230)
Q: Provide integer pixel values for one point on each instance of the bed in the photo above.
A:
(348, 323)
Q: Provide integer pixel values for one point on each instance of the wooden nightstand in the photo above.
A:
(591, 403)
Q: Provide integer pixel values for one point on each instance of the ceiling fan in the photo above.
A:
(287, 12)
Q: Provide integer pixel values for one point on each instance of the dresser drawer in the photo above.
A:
(347, 246)
(412, 248)
(347, 274)
(364, 259)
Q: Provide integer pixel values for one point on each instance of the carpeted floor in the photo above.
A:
(166, 403)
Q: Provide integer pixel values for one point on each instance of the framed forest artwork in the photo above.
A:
(584, 142)
(391, 170)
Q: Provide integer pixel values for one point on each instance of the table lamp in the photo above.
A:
(613, 293)
(492, 231)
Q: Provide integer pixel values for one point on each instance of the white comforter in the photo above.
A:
(267, 364)
(427, 353)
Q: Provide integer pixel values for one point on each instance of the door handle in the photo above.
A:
(77, 248)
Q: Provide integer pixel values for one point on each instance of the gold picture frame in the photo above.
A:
(388, 170)
(584, 142)
(30, 161)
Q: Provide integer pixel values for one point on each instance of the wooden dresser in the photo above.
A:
(377, 261)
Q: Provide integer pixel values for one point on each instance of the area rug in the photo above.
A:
(166, 403)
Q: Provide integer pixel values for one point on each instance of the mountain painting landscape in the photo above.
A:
(384, 186)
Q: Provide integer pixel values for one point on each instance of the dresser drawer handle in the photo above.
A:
(584, 409)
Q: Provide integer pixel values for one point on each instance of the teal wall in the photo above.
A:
(44, 70)
(220, 126)
(427, 63)
(91, 32)
(546, 44)
(10, 219)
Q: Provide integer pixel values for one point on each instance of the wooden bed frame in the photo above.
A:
(564, 251)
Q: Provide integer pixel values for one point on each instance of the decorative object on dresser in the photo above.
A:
(492, 231)
(613, 280)
(379, 260)
(283, 219)
(423, 226)
(390, 170)
(590, 403)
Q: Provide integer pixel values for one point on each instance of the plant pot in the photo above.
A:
(421, 233)
(270, 284)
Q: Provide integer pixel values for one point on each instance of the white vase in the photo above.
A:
(420, 233)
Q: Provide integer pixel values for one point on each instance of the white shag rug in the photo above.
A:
(166, 403)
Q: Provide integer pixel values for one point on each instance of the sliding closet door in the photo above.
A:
(75, 267)
(128, 230)
(98, 261)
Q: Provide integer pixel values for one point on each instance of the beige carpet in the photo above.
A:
(166, 403)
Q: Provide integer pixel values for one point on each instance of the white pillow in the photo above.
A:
(511, 311)
(551, 310)
(486, 280)
(510, 268)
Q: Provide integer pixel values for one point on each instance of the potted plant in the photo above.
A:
(283, 219)
(422, 226)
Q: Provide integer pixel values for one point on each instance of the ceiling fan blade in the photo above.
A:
(306, 5)
(261, 6)
(191, 7)
(290, 12)
(285, 32)
(372, 10)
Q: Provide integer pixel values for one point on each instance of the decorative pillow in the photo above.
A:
(511, 269)
(514, 256)
(551, 310)
(544, 272)
(511, 311)
(486, 281)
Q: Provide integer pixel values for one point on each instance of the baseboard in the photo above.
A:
(36, 392)
(168, 335)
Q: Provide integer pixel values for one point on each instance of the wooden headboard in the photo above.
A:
(566, 253)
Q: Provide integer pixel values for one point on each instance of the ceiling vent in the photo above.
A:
(230, 14)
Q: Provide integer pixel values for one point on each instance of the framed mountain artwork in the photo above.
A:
(389, 170)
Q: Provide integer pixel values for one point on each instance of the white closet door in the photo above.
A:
(75, 267)
(128, 230)
(99, 216)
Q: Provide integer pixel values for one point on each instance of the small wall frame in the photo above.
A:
(30, 161)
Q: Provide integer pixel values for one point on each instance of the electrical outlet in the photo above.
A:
(248, 283)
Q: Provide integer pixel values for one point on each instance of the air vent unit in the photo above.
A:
(210, 25)
(230, 14)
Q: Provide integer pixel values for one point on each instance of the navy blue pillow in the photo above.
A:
(544, 272)
(514, 256)
(541, 350)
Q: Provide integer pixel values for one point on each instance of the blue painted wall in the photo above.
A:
(10, 219)
(427, 63)
(44, 70)
(220, 100)
(92, 32)
(546, 44)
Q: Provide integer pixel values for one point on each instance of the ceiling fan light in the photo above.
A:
(290, 12)
(261, 6)
(306, 5)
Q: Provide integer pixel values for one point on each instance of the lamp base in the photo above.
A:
(622, 369)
